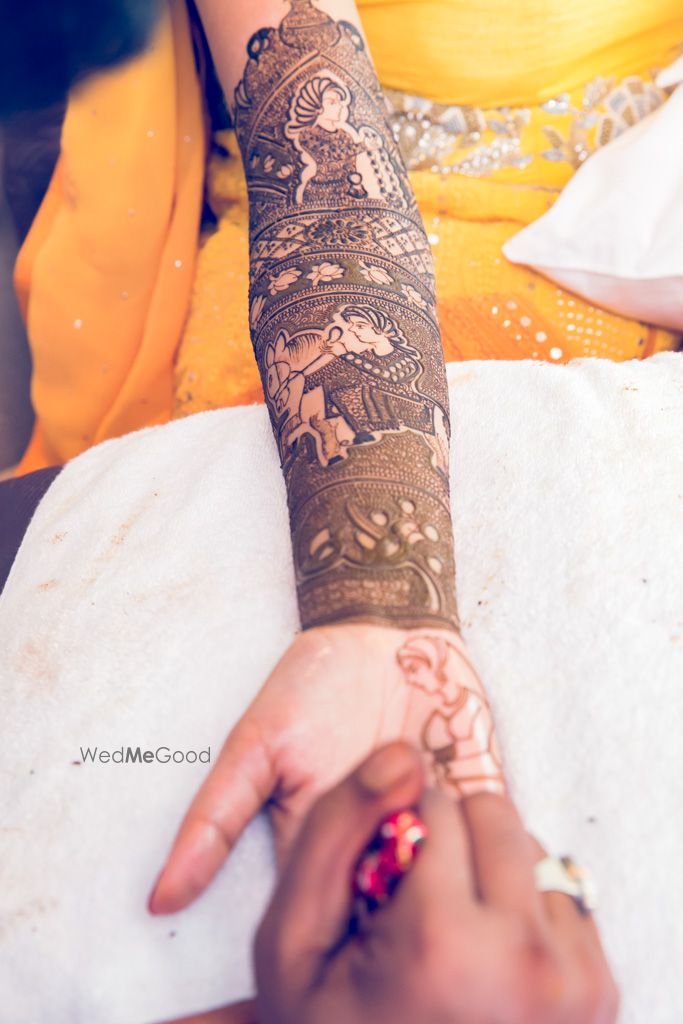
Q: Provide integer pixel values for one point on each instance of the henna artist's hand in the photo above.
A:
(337, 693)
(465, 939)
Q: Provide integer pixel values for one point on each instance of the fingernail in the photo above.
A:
(385, 768)
(153, 904)
(195, 858)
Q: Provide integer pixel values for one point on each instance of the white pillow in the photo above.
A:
(671, 75)
(615, 235)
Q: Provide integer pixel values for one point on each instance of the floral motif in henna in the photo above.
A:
(344, 329)
(459, 736)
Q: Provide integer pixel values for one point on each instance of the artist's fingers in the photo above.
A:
(442, 869)
(585, 961)
(432, 942)
(310, 910)
(238, 786)
(503, 856)
(567, 965)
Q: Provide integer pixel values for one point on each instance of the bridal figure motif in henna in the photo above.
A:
(458, 736)
(342, 314)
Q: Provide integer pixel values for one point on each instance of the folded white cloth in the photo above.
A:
(153, 592)
(614, 234)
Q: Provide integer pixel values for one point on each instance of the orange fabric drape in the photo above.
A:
(105, 275)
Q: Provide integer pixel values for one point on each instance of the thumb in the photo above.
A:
(241, 781)
(310, 910)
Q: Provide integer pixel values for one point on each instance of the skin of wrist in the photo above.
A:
(369, 624)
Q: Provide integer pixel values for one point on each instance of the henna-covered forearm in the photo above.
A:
(343, 321)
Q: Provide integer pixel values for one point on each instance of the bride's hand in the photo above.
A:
(336, 694)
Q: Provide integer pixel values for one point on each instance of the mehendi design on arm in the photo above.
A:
(459, 736)
(342, 313)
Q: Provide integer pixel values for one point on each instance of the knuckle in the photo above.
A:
(428, 934)
(613, 1002)
(585, 993)
(612, 999)
(592, 1001)
(522, 1002)
(440, 964)
(595, 988)
(565, 979)
(544, 984)
(434, 984)
(379, 974)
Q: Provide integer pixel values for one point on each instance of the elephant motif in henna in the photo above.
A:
(349, 384)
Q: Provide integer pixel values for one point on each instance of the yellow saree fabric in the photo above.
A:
(105, 274)
(494, 53)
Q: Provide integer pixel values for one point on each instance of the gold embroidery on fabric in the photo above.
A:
(431, 135)
(427, 132)
(607, 110)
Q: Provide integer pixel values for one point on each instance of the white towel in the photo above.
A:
(154, 591)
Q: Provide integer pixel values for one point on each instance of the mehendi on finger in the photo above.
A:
(342, 313)
(459, 735)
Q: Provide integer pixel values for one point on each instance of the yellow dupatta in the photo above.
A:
(104, 277)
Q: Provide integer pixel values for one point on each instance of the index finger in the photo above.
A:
(503, 856)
